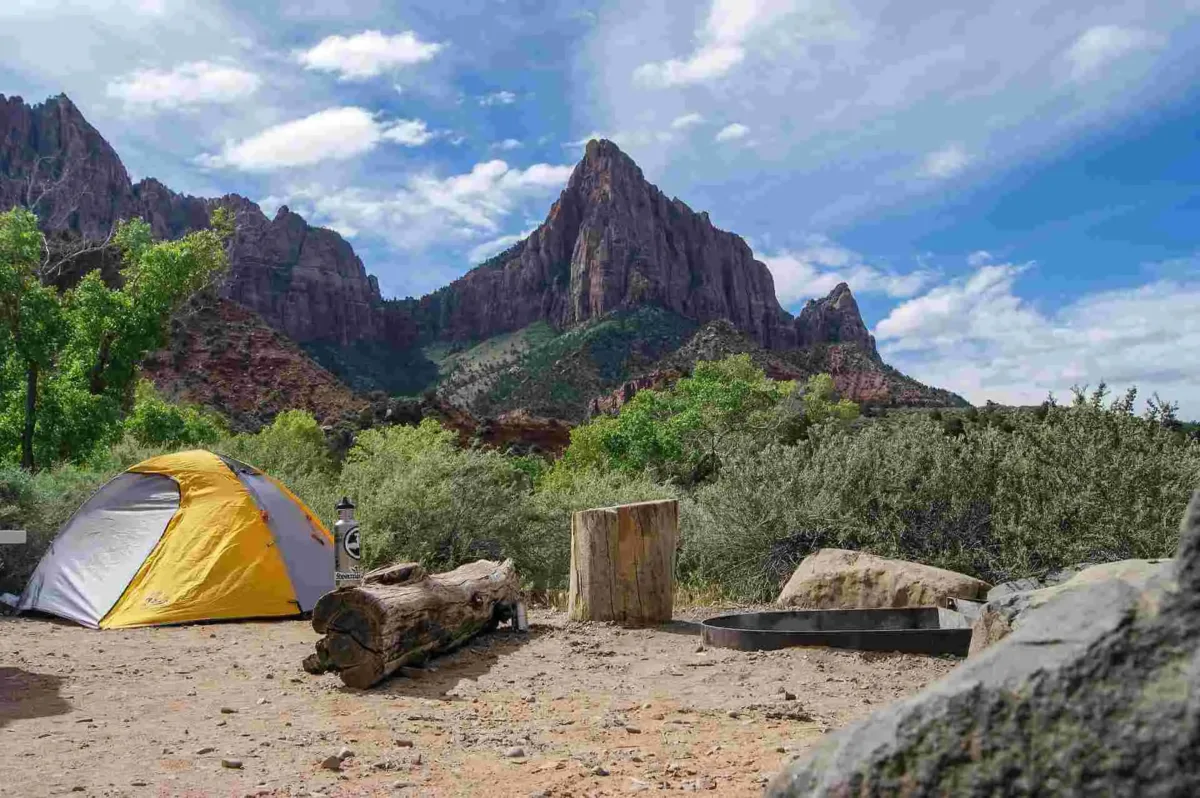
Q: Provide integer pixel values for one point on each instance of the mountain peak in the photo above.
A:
(834, 319)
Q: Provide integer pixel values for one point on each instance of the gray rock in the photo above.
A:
(516, 752)
(333, 762)
(232, 764)
(1048, 579)
(344, 753)
(1096, 693)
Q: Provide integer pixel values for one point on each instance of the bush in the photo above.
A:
(420, 497)
(1002, 501)
(156, 422)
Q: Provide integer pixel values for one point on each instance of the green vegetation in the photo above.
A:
(69, 359)
(368, 366)
(559, 377)
(765, 471)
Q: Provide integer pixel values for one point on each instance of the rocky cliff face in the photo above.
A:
(613, 241)
(304, 281)
(834, 319)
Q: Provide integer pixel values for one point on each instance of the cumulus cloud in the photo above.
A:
(1099, 46)
(335, 134)
(946, 162)
(195, 83)
(498, 98)
(977, 337)
(733, 132)
(431, 210)
(815, 269)
(686, 121)
(409, 132)
(367, 54)
(722, 43)
(495, 246)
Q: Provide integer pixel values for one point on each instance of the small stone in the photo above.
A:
(733, 713)
(79, 788)
(270, 676)
(208, 749)
(222, 723)
(699, 649)
(138, 783)
(228, 711)
(232, 764)
(787, 696)
(599, 770)
(516, 752)
(637, 785)
(331, 763)
(403, 743)
(344, 753)
(262, 701)
(633, 730)
(539, 794)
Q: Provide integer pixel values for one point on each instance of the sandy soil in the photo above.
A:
(595, 710)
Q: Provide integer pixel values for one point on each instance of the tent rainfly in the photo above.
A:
(184, 537)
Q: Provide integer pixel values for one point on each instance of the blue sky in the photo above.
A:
(1009, 187)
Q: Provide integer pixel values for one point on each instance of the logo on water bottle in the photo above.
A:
(351, 544)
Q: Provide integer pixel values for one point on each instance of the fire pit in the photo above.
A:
(913, 630)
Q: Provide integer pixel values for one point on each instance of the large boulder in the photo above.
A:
(1000, 616)
(1097, 692)
(835, 579)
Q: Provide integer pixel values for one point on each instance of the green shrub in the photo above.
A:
(156, 422)
(998, 501)
(420, 497)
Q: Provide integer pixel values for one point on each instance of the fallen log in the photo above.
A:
(377, 627)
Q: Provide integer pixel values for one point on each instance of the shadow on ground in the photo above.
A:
(25, 695)
(470, 661)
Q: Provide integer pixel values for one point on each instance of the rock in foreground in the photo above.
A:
(1000, 616)
(838, 579)
(1096, 693)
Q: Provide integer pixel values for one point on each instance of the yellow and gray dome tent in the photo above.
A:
(184, 537)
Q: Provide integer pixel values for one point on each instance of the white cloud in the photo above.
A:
(814, 270)
(367, 54)
(335, 134)
(1101, 45)
(495, 246)
(979, 258)
(722, 43)
(507, 144)
(976, 337)
(686, 121)
(409, 132)
(498, 98)
(733, 132)
(431, 210)
(946, 162)
(196, 83)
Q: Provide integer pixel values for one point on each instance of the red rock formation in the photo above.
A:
(613, 240)
(834, 319)
(224, 356)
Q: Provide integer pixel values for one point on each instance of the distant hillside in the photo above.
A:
(609, 288)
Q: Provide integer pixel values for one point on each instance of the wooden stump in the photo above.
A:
(623, 563)
(400, 616)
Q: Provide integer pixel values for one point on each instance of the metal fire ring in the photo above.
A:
(912, 630)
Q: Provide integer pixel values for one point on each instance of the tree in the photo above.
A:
(70, 358)
(680, 433)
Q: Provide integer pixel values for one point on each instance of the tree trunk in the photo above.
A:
(383, 624)
(623, 563)
(31, 389)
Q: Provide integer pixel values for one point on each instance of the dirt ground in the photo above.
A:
(565, 710)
